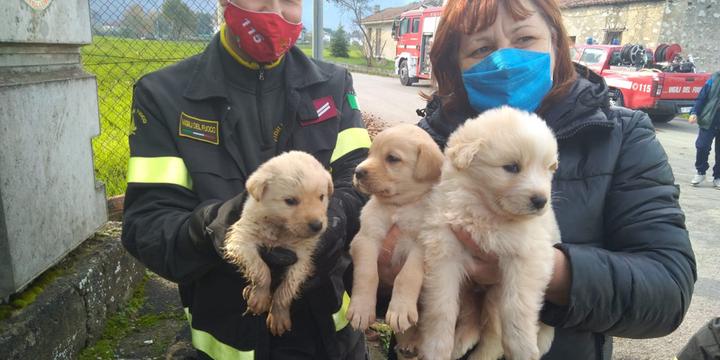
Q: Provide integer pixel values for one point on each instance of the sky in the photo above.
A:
(333, 16)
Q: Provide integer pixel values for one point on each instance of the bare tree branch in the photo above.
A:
(359, 9)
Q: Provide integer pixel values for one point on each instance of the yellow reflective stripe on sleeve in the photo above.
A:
(349, 140)
(211, 346)
(159, 170)
(339, 318)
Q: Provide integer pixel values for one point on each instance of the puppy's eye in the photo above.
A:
(513, 168)
(292, 201)
(392, 159)
(554, 167)
(322, 197)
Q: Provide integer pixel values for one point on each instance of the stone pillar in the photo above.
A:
(49, 199)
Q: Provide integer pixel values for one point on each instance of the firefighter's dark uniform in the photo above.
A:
(202, 126)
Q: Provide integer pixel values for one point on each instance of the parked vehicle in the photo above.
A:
(414, 32)
(661, 83)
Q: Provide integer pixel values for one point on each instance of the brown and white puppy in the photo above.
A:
(287, 207)
(496, 185)
(402, 166)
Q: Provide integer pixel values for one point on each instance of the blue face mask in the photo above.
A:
(514, 77)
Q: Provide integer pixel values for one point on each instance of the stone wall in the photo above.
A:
(639, 22)
(71, 312)
(694, 24)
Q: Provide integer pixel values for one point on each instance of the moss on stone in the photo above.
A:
(117, 327)
(30, 294)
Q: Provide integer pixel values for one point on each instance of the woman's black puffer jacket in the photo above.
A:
(615, 199)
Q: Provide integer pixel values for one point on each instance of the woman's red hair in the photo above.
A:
(470, 16)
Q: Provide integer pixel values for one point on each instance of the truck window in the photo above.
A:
(592, 56)
(415, 25)
(404, 26)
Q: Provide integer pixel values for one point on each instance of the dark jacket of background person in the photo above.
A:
(177, 186)
(632, 265)
(707, 104)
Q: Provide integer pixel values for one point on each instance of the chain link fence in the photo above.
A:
(130, 39)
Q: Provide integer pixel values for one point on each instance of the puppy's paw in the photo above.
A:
(401, 315)
(407, 349)
(278, 321)
(361, 313)
(465, 338)
(520, 350)
(258, 299)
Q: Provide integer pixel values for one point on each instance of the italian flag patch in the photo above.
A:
(352, 100)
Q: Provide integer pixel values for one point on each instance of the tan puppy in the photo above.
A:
(496, 185)
(402, 166)
(287, 207)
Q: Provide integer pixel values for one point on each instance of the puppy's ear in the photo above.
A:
(257, 183)
(463, 153)
(429, 162)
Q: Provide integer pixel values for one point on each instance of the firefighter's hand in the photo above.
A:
(692, 119)
(485, 269)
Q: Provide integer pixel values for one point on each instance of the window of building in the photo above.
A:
(613, 37)
(416, 25)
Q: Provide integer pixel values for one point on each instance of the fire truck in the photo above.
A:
(414, 32)
(660, 82)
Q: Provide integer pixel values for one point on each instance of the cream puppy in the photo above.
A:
(287, 207)
(402, 166)
(496, 185)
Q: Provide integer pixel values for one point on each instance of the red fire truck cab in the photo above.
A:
(414, 32)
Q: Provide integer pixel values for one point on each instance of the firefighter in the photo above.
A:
(202, 126)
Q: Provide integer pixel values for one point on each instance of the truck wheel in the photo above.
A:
(404, 74)
(661, 118)
(616, 98)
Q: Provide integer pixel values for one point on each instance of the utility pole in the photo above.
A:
(317, 29)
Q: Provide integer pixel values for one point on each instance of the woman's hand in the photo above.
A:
(692, 119)
(484, 270)
(558, 290)
(386, 271)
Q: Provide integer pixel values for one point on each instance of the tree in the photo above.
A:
(135, 22)
(359, 9)
(205, 24)
(182, 20)
(339, 43)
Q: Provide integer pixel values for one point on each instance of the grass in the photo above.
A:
(356, 57)
(118, 63)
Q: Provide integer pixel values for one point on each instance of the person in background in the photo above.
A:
(203, 126)
(706, 113)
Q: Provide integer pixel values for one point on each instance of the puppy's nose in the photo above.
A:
(315, 226)
(360, 173)
(538, 201)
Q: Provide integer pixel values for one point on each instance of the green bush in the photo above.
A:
(339, 46)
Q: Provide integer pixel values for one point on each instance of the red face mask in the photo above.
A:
(264, 36)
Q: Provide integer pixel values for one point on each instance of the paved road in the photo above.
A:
(387, 99)
(394, 103)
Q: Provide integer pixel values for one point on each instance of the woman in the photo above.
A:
(625, 266)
